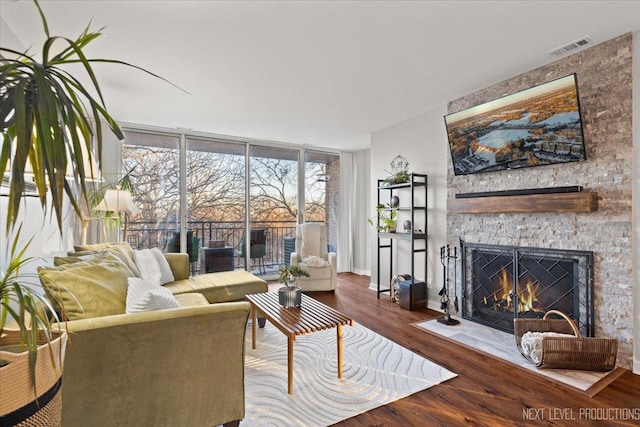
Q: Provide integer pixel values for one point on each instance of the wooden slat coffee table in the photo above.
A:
(312, 316)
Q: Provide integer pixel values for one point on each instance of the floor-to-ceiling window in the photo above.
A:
(151, 163)
(227, 186)
(273, 203)
(215, 199)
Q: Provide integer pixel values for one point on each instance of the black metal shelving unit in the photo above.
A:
(417, 182)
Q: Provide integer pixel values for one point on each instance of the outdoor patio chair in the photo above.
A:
(258, 247)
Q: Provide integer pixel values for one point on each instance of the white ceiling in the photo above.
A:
(322, 73)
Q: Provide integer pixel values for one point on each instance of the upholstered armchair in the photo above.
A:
(311, 254)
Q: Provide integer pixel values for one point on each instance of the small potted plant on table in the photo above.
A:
(289, 296)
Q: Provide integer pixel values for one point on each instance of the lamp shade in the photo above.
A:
(117, 201)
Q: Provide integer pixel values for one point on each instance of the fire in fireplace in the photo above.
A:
(503, 299)
(501, 283)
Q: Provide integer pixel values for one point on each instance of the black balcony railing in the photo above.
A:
(144, 235)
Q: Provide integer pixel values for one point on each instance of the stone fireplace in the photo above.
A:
(605, 76)
(502, 283)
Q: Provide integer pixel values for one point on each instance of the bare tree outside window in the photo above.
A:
(216, 191)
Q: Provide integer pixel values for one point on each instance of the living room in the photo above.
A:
(605, 73)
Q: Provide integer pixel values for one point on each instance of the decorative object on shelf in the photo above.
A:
(407, 226)
(445, 302)
(290, 295)
(386, 221)
(399, 172)
(395, 201)
(394, 286)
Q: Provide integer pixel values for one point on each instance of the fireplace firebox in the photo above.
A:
(501, 283)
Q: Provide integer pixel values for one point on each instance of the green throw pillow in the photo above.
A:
(87, 289)
(101, 246)
(121, 250)
(74, 257)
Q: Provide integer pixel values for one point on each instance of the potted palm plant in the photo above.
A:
(50, 121)
(31, 350)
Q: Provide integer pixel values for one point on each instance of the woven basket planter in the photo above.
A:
(578, 352)
(20, 404)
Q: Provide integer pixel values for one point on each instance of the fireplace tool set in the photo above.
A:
(446, 258)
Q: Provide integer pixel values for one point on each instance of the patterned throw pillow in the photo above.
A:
(153, 266)
(145, 296)
(121, 250)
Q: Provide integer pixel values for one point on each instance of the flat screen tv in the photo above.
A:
(541, 125)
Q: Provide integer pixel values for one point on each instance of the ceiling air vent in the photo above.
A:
(574, 45)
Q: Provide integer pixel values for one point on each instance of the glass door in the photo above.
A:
(151, 165)
(273, 201)
(215, 193)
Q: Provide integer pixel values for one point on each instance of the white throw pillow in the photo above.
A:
(166, 275)
(146, 296)
(153, 266)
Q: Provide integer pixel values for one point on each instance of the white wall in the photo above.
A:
(9, 38)
(47, 241)
(636, 201)
(422, 140)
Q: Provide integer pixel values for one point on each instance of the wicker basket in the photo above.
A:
(20, 404)
(586, 354)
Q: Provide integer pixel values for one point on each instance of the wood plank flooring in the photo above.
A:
(487, 392)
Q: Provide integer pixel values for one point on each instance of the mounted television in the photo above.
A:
(537, 126)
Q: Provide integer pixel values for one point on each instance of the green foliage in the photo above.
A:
(400, 177)
(290, 273)
(386, 218)
(51, 121)
(46, 117)
(31, 313)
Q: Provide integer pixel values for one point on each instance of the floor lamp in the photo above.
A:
(118, 201)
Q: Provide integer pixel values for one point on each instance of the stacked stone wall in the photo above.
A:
(604, 74)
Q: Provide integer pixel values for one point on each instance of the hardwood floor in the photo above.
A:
(487, 392)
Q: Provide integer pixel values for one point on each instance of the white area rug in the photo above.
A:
(503, 345)
(376, 371)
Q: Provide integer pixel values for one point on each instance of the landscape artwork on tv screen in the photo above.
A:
(537, 126)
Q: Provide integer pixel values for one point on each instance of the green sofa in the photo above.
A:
(174, 367)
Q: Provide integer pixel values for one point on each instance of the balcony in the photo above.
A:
(141, 235)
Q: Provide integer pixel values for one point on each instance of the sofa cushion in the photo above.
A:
(91, 256)
(87, 289)
(74, 257)
(122, 251)
(146, 296)
(315, 273)
(153, 266)
(222, 286)
(191, 300)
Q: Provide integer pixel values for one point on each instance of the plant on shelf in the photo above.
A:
(50, 126)
(290, 273)
(386, 218)
(400, 172)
